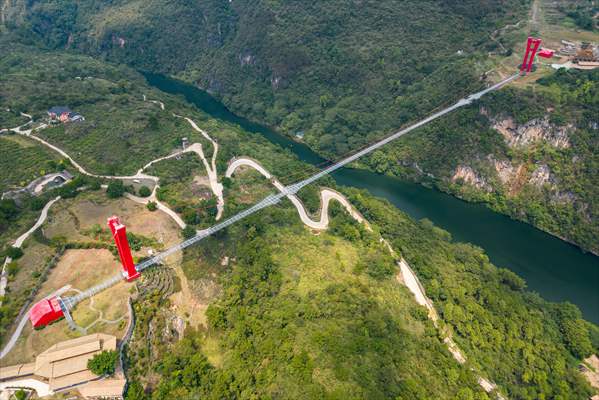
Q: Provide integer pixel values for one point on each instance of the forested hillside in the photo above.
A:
(294, 314)
(340, 71)
(531, 155)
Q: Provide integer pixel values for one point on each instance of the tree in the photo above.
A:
(13, 252)
(152, 206)
(37, 203)
(144, 191)
(8, 209)
(20, 394)
(12, 268)
(511, 279)
(135, 391)
(103, 363)
(188, 232)
(115, 189)
(227, 182)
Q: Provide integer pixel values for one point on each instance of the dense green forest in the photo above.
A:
(565, 148)
(343, 73)
(302, 315)
(297, 326)
(489, 310)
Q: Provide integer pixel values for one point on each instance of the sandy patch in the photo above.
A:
(591, 374)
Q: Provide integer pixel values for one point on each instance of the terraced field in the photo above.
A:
(22, 161)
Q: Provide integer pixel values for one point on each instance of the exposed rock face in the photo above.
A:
(247, 59)
(275, 82)
(505, 170)
(542, 176)
(512, 177)
(471, 177)
(564, 198)
(119, 41)
(533, 131)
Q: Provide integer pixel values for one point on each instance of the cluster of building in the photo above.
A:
(39, 185)
(63, 368)
(64, 114)
(584, 55)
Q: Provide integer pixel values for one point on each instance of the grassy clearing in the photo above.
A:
(80, 269)
(71, 220)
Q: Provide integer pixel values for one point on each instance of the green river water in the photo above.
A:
(558, 271)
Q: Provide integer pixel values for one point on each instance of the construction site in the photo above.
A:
(582, 55)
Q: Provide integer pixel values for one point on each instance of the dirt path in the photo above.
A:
(161, 104)
(410, 280)
(406, 276)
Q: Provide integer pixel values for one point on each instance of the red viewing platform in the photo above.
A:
(45, 312)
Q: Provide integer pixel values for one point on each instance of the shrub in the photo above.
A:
(103, 363)
(227, 182)
(13, 252)
(115, 189)
(21, 394)
(12, 268)
(37, 203)
(152, 206)
(144, 191)
(95, 184)
(188, 232)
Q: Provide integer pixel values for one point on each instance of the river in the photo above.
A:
(557, 270)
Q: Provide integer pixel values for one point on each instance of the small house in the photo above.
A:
(74, 117)
(64, 114)
(59, 113)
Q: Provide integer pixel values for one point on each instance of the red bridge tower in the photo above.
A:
(532, 46)
(119, 233)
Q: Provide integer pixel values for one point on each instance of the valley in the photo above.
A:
(324, 257)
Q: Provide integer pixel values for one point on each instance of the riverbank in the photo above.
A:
(557, 270)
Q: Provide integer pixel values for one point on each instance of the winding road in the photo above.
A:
(19, 242)
(409, 278)
(326, 195)
(406, 275)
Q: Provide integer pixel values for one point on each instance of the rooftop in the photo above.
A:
(58, 110)
(65, 363)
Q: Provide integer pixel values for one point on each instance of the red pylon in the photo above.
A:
(119, 233)
(532, 46)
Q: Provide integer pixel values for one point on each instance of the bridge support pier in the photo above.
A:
(532, 46)
(119, 233)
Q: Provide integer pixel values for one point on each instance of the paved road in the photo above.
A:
(19, 242)
(292, 189)
(326, 195)
(23, 321)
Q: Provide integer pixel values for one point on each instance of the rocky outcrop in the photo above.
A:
(565, 198)
(467, 175)
(542, 176)
(506, 172)
(512, 177)
(534, 131)
(246, 59)
(118, 41)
